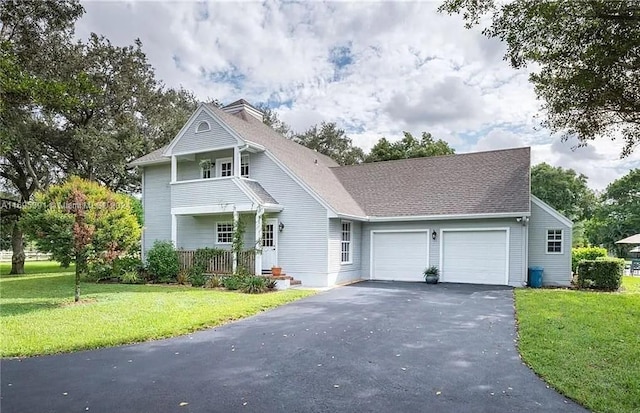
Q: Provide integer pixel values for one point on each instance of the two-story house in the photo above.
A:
(472, 215)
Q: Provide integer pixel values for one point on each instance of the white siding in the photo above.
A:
(200, 231)
(340, 273)
(191, 141)
(302, 245)
(557, 267)
(157, 204)
(223, 191)
(190, 169)
(517, 256)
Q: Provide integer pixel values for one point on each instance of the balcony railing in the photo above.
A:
(221, 263)
(207, 192)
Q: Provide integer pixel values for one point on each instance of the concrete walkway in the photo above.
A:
(371, 346)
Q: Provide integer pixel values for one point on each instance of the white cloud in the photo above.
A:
(401, 66)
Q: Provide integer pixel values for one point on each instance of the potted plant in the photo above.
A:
(431, 275)
(276, 271)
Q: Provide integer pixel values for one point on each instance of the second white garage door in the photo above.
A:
(478, 257)
(399, 256)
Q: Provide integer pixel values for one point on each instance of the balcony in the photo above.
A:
(213, 195)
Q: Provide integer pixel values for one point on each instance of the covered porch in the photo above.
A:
(216, 226)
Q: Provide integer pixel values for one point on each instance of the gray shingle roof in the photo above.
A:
(260, 192)
(473, 183)
(155, 156)
(300, 160)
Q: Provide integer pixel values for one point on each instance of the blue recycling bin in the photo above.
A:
(535, 277)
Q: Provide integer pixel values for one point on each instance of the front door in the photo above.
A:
(270, 243)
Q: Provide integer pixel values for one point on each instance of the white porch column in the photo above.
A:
(236, 218)
(174, 230)
(236, 161)
(258, 243)
(174, 168)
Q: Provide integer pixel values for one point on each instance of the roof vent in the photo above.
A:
(240, 105)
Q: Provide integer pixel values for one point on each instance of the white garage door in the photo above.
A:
(400, 256)
(477, 257)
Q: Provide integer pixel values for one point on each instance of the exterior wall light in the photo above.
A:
(281, 226)
(434, 235)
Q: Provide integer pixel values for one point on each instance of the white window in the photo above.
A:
(345, 254)
(554, 241)
(244, 166)
(267, 235)
(205, 168)
(225, 167)
(224, 233)
(203, 127)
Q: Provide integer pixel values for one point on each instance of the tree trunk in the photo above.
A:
(76, 297)
(17, 246)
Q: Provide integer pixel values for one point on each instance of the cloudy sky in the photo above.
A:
(375, 68)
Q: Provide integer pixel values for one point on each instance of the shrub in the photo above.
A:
(600, 274)
(182, 277)
(214, 281)
(254, 285)
(125, 264)
(162, 262)
(233, 282)
(271, 284)
(585, 253)
(197, 277)
(99, 270)
(129, 277)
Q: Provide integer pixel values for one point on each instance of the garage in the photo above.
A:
(476, 257)
(399, 255)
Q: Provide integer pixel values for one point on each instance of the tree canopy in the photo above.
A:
(408, 147)
(332, 141)
(563, 189)
(618, 213)
(584, 55)
(75, 108)
(83, 222)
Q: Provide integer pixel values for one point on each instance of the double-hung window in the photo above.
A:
(224, 232)
(244, 166)
(554, 241)
(345, 251)
(225, 167)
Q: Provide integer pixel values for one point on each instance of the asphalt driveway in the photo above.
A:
(383, 347)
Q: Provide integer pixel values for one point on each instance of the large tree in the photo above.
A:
(618, 214)
(33, 37)
(408, 147)
(332, 141)
(74, 108)
(584, 56)
(82, 222)
(563, 189)
(121, 112)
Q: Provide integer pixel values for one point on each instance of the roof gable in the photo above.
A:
(192, 138)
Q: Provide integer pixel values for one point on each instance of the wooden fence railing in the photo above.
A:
(221, 263)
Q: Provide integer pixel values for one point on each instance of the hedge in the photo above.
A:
(585, 253)
(600, 274)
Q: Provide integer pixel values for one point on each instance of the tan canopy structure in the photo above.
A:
(634, 239)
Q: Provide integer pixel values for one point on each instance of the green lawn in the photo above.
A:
(38, 316)
(37, 267)
(585, 344)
